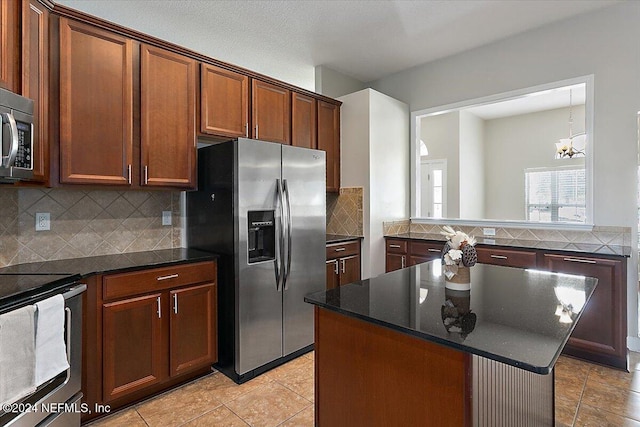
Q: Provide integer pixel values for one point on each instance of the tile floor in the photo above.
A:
(586, 395)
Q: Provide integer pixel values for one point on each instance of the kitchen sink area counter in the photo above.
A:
(443, 342)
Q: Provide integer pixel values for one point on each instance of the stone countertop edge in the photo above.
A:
(338, 238)
(584, 248)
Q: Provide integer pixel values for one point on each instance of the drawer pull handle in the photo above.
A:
(498, 256)
(341, 249)
(433, 250)
(394, 246)
(584, 261)
(170, 276)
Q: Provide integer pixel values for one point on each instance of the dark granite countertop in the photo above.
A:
(585, 248)
(22, 280)
(513, 319)
(337, 238)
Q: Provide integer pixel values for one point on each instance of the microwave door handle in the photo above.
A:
(13, 152)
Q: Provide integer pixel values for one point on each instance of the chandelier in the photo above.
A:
(574, 146)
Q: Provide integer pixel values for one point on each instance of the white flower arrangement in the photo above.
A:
(458, 250)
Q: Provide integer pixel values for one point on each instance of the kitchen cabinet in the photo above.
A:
(507, 257)
(329, 141)
(10, 45)
(343, 263)
(420, 252)
(303, 121)
(600, 334)
(96, 105)
(133, 345)
(271, 112)
(224, 102)
(148, 330)
(397, 254)
(35, 80)
(167, 112)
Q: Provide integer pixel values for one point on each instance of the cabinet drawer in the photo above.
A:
(508, 258)
(396, 246)
(151, 280)
(337, 250)
(426, 249)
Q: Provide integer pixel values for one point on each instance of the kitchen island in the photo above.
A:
(405, 348)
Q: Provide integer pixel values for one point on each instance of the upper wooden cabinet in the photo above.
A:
(10, 45)
(329, 141)
(303, 121)
(35, 80)
(224, 102)
(271, 112)
(96, 105)
(167, 115)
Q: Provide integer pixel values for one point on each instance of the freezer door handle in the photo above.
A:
(287, 269)
(280, 252)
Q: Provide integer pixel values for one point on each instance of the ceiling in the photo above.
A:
(364, 39)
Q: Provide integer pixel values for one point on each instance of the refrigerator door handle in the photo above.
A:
(278, 262)
(287, 269)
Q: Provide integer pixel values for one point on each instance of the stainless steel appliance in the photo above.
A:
(57, 401)
(262, 207)
(16, 137)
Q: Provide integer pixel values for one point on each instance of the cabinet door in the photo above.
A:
(415, 260)
(35, 80)
(271, 112)
(96, 105)
(395, 262)
(600, 334)
(134, 345)
(224, 102)
(329, 141)
(333, 274)
(425, 251)
(303, 121)
(193, 330)
(349, 269)
(167, 115)
(9, 43)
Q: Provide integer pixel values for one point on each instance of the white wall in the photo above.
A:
(472, 166)
(603, 43)
(333, 84)
(375, 155)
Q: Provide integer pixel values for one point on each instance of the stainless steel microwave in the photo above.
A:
(16, 137)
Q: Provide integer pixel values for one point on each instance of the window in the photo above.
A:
(555, 194)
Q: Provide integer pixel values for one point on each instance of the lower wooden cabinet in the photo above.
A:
(343, 263)
(147, 330)
(601, 333)
(507, 257)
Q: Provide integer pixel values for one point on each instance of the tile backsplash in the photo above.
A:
(344, 212)
(85, 223)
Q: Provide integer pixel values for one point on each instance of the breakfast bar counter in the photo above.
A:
(410, 348)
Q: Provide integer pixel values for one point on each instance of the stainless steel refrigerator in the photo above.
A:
(262, 207)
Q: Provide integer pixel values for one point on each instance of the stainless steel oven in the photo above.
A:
(16, 137)
(56, 402)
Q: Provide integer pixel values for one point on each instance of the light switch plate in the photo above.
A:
(166, 217)
(489, 231)
(43, 221)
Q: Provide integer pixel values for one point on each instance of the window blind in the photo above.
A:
(555, 194)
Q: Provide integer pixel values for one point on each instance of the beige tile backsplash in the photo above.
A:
(600, 235)
(85, 223)
(344, 212)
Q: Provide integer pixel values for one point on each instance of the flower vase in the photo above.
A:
(460, 281)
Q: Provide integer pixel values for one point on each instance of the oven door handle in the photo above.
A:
(76, 290)
(7, 118)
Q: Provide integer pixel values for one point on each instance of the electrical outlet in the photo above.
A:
(489, 231)
(166, 217)
(43, 221)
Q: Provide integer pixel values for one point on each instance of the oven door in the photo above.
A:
(53, 400)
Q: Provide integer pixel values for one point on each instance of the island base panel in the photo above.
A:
(368, 375)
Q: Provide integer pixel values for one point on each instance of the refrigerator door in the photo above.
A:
(259, 311)
(303, 174)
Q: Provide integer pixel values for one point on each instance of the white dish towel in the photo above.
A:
(17, 354)
(51, 351)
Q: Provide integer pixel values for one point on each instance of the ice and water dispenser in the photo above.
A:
(262, 236)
